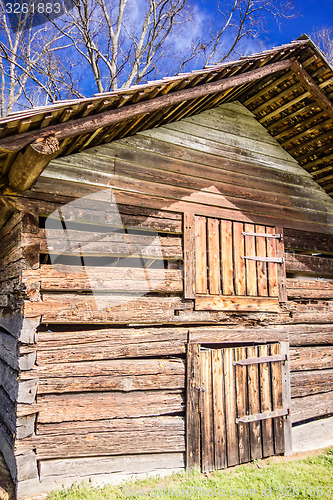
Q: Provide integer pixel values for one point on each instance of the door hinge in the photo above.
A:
(264, 235)
(277, 260)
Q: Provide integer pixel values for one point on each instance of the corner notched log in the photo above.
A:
(30, 163)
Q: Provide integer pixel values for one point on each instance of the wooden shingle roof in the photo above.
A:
(289, 89)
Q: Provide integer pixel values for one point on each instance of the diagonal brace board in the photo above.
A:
(311, 86)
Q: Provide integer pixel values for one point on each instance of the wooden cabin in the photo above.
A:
(167, 274)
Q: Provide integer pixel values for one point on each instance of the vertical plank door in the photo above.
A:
(238, 404)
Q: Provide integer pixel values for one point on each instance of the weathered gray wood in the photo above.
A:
(7, 450)
(107, 309)
(307, 264)
(57, 474)
(156, 435)
(223, 156)
(216, 334)
(188, 194)
(313, 406)
(103, 279)
(182, 202)
(25, 426)
(28, 488)
(109, 349)
(311, 358)
(8, 378)
(313, 289)
(303, 240)
(108, 243)
(131, 464)
(27, 360)
(305, 383)
(26, 466)
(7, 411)
(24, 329)
(9, 349)
(27, 390)
(117, 375)
(66, 407)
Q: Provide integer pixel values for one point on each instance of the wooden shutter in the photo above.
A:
(233, 265)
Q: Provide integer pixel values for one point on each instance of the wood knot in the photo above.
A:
(46, 145)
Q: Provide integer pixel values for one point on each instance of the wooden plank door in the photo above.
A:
(243, 403)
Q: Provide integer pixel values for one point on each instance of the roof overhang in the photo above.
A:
(289, 89)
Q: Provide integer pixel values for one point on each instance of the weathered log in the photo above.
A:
(312, 406)
(9, 349)
(30, 163)
(8, 412)
(314, 289)
(27, 390)
(306, 241)
(155, 435)
(118, 375)
(147, 341)
(107, 279)
(23, 329)
(25, 426)
(99, 470)
(300, 335)
(101, 405)
(105, 309)
(106, 243)
(311, 382)
(311, 358)
(307, 264)
(26, 465)
(7, 450)
(9, 380)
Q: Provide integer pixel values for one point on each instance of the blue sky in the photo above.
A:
(312, 15)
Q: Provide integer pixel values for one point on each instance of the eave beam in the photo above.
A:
(89, 124)
(30, 162)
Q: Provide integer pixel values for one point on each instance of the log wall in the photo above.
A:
(112, 373)
(17, 341)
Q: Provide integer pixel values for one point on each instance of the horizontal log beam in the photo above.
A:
(308, 264)
(111, 437)
(312, 406)
(101, 405)
(236, 303)
(311, 382)
(103, 278)
(311, 358)
(105, 119)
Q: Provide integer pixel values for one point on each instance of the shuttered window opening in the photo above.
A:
(233, 265)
